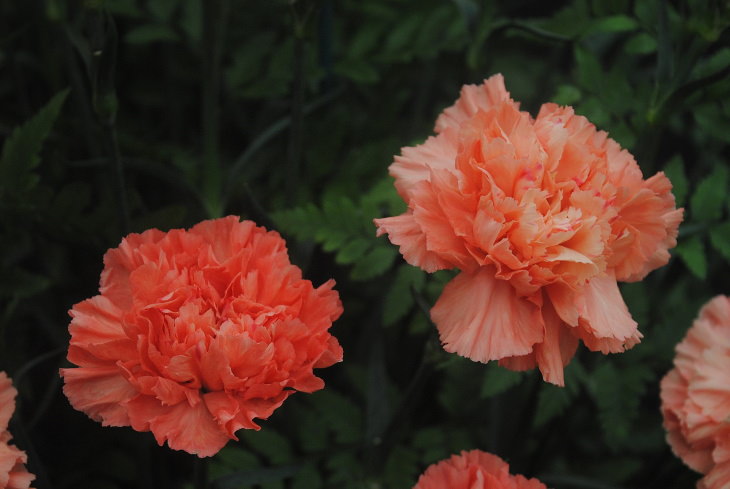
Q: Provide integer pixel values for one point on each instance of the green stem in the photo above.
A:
(215, 15)
(294, 152)
(120, 188)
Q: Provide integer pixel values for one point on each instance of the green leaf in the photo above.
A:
(307, 478)
(709, 196)
(401, 468)
(252, 477)
(344, 468)
(21, 151)
(273, 446)
(431, 442)
(232, 458)
(615, 23)
(567, 95)
(340, 414)
(399, 299)
(617, 393)
(498, 380)
(720, 239)
(374, 263)
(674, 170)
(553, 400)
(590, 73)
(357, 70)
(641, 43)
(146, 34)
(353, 251)
(692, 253)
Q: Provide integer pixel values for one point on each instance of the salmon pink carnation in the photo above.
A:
(474, 470)
(13, 474)
(542, 216)
(196, 333)
(696, 396)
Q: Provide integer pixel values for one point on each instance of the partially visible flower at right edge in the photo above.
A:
(696, 396)
(13, 474)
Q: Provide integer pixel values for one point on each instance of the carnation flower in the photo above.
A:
(542, 216)
(197, 333)
(13, 474)
(474, 470)
(696, 396)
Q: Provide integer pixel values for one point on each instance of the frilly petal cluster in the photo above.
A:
(13, 474)
(696, 396)
(474, 470)
(196, 333)
(542, 216)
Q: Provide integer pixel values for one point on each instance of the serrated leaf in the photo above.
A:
(709, 196)
(21, 151)
(553, 400)
(343, 467)
(720, 239)
(374, 263)
(353, 251)
(674, 170)
(692, 253)
(431, 442)
(498, 379)
(617, 393)
(399, 299)
(340, 414)
(312, 432)
(273, 446)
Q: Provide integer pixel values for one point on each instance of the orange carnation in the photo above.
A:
(13, 474)
(196, 333)
(474, 470)
(542, 216)
(696, 396)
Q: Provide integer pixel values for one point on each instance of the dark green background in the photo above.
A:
(289, 114)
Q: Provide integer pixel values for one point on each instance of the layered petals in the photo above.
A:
(552, 209)
(196, 334)
(696, 396)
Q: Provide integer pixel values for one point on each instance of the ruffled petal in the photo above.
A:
(183, 427)
(100, 392)
(482, 318)
(605, 322)
(415, 163)
(404, 232)
(474, 98)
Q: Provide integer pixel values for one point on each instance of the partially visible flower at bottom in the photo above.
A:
(474, 470)
(696, 396)
(13, 474)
